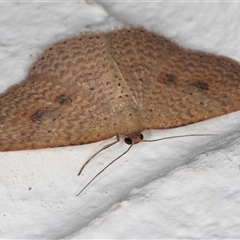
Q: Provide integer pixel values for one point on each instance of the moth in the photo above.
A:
(98, 85)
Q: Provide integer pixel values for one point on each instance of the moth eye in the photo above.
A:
(141, 136)
(128, 141)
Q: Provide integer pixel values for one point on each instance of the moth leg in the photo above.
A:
(95, 154)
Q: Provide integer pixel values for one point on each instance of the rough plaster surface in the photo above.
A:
(178, 188)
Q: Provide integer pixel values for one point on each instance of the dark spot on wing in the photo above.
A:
(202, 86)
(63, 100)
(194, 86)
(169, 80)
(36, 117)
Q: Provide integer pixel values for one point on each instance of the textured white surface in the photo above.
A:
(179, 188)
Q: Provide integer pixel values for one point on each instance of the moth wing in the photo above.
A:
(41, 113)
(173, 86)
(192, 87)
(67, 98)
(139, 55)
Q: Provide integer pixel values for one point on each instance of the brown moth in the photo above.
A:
(98, 85)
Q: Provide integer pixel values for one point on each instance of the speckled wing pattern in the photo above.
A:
(174, 86)
(65, 100)
(92, 87)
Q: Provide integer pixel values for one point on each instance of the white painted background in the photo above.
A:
(179, 188)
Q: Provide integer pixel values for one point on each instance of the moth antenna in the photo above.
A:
(180, 136)
(95, 154)
(104, 169)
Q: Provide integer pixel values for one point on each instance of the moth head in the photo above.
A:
(134, 139)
